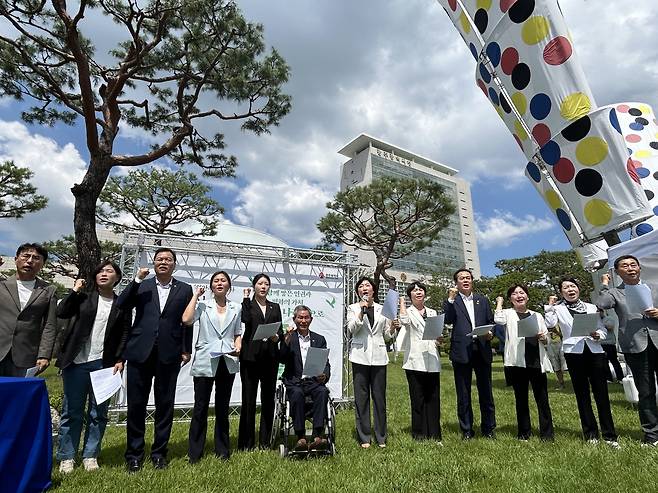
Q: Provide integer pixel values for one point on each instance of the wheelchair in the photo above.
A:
(283, 433)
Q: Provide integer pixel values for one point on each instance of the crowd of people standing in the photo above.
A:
(147, 330)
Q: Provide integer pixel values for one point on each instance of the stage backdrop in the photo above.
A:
(318, 287)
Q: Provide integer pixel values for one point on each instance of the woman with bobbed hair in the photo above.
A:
(421, 365)
(586, 360)
(369, 331)
(526, 362)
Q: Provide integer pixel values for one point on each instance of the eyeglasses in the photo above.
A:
(166, 260)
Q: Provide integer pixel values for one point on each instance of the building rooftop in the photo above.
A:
(235, 233)
(364, 140)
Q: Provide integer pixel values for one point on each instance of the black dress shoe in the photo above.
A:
(133, 465)
(490, 436)
(159, 462)
(469, 435)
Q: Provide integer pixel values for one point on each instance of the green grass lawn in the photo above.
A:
(405, 465)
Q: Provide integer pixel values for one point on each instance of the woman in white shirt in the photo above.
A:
(421, 365)
(369, 331)
(93, 340)
(215, 363)
(586, 361)
(526, 362)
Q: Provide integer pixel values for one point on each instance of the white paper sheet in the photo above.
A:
(31, 372)
(584, 324)
(481, 330)
(638, 297)
(433, 327)
(528, 327)
(265, 331)
(316, 360)
(105, 383)
(391, 302)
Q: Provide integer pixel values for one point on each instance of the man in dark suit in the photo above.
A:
(28, 318)
(466, 310)
(299, 386)
(155, 347)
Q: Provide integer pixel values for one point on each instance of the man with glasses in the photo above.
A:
(157, 344)
(28, 320)
(638, 340)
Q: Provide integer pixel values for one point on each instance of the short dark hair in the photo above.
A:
(568, 279)
(361, 280)
(258, 277)
(513, 288)
(415, 284)
(41, 250)
(225, 274)
(165, 249)
(625, 257)
(463, 269)
(112, 264)
(301, 308)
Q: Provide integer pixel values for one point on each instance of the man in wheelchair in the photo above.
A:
(299, 387)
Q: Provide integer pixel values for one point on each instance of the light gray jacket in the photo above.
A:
(634, 328)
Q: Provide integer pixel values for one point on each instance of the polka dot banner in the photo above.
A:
(587, 163)
(534, 60)
(637, 123)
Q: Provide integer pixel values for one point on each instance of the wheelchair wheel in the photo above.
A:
(279, 424)
(283, 451)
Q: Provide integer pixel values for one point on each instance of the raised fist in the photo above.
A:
(79, 284)
(143, 272)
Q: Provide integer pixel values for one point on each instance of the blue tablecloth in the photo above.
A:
(25, 435)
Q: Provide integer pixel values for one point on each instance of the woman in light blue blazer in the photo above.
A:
(215, 363)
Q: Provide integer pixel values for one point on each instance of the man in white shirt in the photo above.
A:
(299, 386)
(466, 310)
(28, 320)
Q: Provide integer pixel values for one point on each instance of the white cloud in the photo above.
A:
(504, 228)
(288, 209)
(56, 168)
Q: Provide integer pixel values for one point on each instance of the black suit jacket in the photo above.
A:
(252, 317)
(461, 344)
(80, 309)
(291, 356)
(151, 324)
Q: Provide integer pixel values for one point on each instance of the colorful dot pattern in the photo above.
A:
(583, 160)
(530, 52)
(637, 123)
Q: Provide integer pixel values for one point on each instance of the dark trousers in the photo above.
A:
(644, 366)
(9, 369)
(424, 395)
(251, 373)
(223, 382)
(520, 378)
(369, 381)
(319, 395)
(139, 378)
(611, 354)
(463, 373)
(591, 370)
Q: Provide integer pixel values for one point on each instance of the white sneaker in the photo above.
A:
(650, 444)
(593, 441)
(66, 466)
(613, 444)
(90, 463)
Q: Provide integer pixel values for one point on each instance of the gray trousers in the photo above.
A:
(370, 381)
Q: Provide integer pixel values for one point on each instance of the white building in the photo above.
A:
(371, 158)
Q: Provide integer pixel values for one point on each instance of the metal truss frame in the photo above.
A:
(137, 244)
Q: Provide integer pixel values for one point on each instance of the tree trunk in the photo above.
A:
(84, 216)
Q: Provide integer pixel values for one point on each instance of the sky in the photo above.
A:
(394, 69)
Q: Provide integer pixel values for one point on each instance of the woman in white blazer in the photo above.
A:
(215, 363)
(421, 365)
(369, 331)
(586, 360)
(526, 362)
